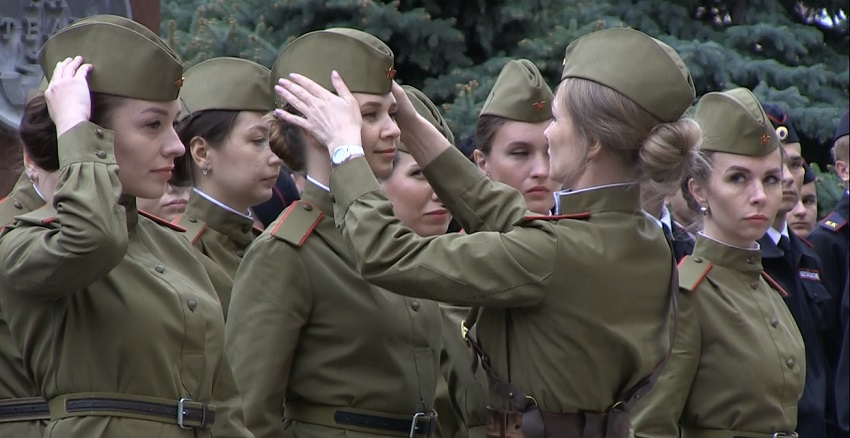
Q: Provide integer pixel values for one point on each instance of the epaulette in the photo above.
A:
(806, 242)
(161, 221)
(45, 215)
(9, 208)
(692, 271)
(296, 223)
(192, 226)
(833, 222)
(556, 217)
(774, 284)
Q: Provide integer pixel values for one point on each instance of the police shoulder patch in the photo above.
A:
(692, 271)
(833, 222)
(296, 223)
(192, 226)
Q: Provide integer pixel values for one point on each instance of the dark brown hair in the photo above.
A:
(485, 129)
(214, 126)
(38, 132)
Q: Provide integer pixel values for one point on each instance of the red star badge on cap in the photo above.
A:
(765, 138)
(179, 83)
(390, 72)
(539, 105)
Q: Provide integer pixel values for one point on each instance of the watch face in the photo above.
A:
(339, 155)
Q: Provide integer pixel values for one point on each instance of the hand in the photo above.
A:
(334, 120)
(67, 95)
(423, 140)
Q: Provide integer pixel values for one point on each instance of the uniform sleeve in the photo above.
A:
(657, 415)
(476, 202)
(496, 269)
(229, 421)
(92, 235)
(271, 302)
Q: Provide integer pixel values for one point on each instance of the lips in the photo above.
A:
(388, 151)
(758, 217)
(539, 192)
(176, 203)
(439, 213)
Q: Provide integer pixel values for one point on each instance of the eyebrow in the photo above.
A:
(260, 126)
(370, 105)
(155, 110)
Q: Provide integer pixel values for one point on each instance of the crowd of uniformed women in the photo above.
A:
(623, 267)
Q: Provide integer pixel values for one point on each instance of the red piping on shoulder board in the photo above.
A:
(558, 217)
(806, 242)
(162, 221)
(774, 284)
(701, 277)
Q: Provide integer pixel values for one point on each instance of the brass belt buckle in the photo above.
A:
(181, 412)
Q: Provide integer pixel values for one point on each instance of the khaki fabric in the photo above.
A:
(520, 93)
(153, 72)
(734, 122)
(14, 378)
(304, 326)
(219, 235)
(99, 299)
(640, 67)
(227, 84)
(545, 282)
(738, 360)
(427, 109)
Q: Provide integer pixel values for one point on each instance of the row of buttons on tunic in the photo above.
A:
(191, 304)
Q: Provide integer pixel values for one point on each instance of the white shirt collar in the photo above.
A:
(775, 235)
(755, 248)
(39, 192)
(220, 204)
(318, 184)
(560, 193)
(666, 219)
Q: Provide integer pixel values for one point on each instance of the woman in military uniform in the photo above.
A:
(553, 312)
(115, 319)
(509, 143)
(738, 363)
(23, 412)
(305, 329)
(228, 158)
(170, 205)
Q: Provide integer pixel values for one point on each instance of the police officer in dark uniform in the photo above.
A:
(792, 262)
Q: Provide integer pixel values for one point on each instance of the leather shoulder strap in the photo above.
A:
(296, 223)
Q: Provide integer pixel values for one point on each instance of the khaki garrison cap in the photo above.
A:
(129, 60)
(636, 65)
(363, 61)
(520, 94)
(227, 84)
(429, 111)
(733, 121)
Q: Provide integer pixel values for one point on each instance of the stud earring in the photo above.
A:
(204, 171)
(704, 210)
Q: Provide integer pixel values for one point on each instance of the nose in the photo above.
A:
(540, 167)
(435, 198)
(173, 147)
(759, 194)
(799, 210)
(274, 160)
(391, 129)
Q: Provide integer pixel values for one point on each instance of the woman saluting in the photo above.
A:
(561, 294)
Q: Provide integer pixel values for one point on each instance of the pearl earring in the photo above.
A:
(704, 210)
(204, 171)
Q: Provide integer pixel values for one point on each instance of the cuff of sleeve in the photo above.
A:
(451, 173)
(86, 143)
(351, 180)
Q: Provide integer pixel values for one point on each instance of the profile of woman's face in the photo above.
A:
(379, 133)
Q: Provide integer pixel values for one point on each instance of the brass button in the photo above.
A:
(751, 260)
(698, 259)
(790, 363)
(17, 204)
(774, 322)
(193, 220)
(754, 285)
(415, 306)
(98, 132)
(159, 268)
(191, 304)
(308, 207)
(240, 253)
(100, 154)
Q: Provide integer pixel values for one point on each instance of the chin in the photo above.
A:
(381, 170)
(540, 208)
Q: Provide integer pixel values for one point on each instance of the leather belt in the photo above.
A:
(715, 433)
(508, 424)
(419, 425)
(24, 409)
(185, 413)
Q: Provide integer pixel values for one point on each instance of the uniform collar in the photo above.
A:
(224, 220)
(221, 204)
(727, 256)
(28, 196)
(664, 220)
(603, 198)
(316, 194)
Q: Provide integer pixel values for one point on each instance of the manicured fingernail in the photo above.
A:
(335, 74)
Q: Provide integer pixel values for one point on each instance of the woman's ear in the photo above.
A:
(200, 150)
(592, 151)
(480, 159)
(698, 192)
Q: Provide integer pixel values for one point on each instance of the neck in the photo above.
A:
(710, 229)
(46, 185)
(319, 165)
(779, 222)
(602, 170)
(216, 192)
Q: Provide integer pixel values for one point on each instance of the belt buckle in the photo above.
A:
(416, 418)
(181, 412)
(785, 435)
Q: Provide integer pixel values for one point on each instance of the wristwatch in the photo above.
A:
(342, 153)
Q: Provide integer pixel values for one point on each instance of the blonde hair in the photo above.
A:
(662, 151)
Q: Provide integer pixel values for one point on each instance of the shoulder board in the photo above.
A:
(774, 284)
(45, 215)
(806, 242)
(9, 208)
(692, 271)
(556, 217)
(296, 223)
(192, 227)
(833, 222)
(161, 221)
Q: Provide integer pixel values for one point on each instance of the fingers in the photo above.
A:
(284, 92)
(83, 71)
(72, 67)
(292, 118)
(309, 85)
(340, 87)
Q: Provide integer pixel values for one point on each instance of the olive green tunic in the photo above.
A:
(99, 299)
(14, 380)
(552, 310)
(738, 361)
(305, 327)
(218, 234)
